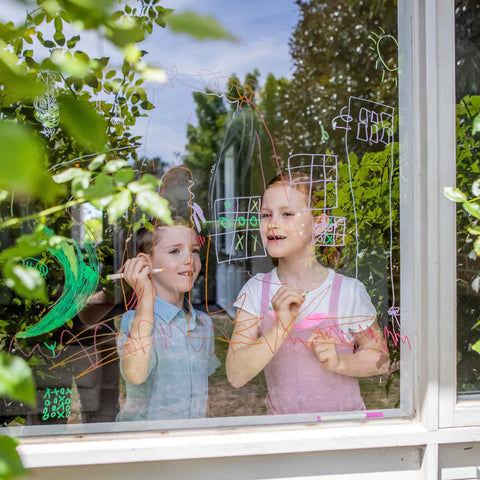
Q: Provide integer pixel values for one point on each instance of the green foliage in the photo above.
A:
(467, 195)
(334, 56)
(65, 129)
(16, 380)
(10, 462)
(81, 121)
(21, 163)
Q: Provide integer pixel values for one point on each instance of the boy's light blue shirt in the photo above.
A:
(181, 359)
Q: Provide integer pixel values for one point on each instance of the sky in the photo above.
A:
(262, 29)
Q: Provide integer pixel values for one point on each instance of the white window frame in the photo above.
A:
(428, 380)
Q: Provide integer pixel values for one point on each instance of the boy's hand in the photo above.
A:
(286, 304)
(325, 351)
(137, 273)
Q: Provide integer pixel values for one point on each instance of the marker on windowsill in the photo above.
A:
(117, 276)
(349, 416)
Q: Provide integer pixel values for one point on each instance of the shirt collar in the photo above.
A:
(168, 312)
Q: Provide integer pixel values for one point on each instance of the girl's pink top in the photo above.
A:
(296, 381)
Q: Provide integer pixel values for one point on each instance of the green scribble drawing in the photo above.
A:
(80, 283)
(37, 264)
(51, 347)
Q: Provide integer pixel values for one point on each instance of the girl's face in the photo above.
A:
(178, 252)
(286, 221)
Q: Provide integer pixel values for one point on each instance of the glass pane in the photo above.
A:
(467, 21)
(305, 89)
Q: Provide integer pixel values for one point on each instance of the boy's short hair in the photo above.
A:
(147, 237)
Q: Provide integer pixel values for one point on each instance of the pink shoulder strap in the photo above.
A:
(335, 295)
(265, 292)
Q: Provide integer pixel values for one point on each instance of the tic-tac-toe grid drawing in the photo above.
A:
(322, 172)
(237, 229)
(333, 232)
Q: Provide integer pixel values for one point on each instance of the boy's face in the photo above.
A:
(178, 253)
(286, 221)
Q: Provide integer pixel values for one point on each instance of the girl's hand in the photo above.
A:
(286, 304)
(326, 352)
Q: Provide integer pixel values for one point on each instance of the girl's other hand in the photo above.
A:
(286, 304)
(325, 351)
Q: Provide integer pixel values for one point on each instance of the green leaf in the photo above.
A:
(146, 183)
(67, 175)
(201, 27)
(97, 162)
(123, 176)
(472, 209)
(114, 165)
(82, 122)
(476, 188)
(58, 24)
(21, 163)
(59, 38)
(3, 195)
(454, 194)
(475, 100)
(476, 246)
(10, 463)
(27, 282)
(474, 230)
(119, 204)
(102, 187)
(476, 124)
(154, 205)
(16, 379)
(476, 346)
(146, 105)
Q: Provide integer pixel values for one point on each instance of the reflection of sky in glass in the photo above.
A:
(262, 29)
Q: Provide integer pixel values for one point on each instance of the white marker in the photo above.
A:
(349, 416)
(117, 276)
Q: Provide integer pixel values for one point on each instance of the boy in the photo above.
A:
(166, 348)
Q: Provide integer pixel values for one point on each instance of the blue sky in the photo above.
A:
(262, 29)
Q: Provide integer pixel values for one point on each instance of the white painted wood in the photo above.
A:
(446, 141)
(392, 463)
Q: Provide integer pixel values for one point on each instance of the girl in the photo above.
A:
(301, 321)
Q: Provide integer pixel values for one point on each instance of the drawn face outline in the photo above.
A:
(176, 251)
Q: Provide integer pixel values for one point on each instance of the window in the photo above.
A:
(467, 82)
(229, 116)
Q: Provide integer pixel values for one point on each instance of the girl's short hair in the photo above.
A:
(147, 237)
(302, 182)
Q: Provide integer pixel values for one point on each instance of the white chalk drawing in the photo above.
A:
(371, 123)
(385, 64)
(237, 229)
(332, 231)
(46, 106)
(322, 172)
